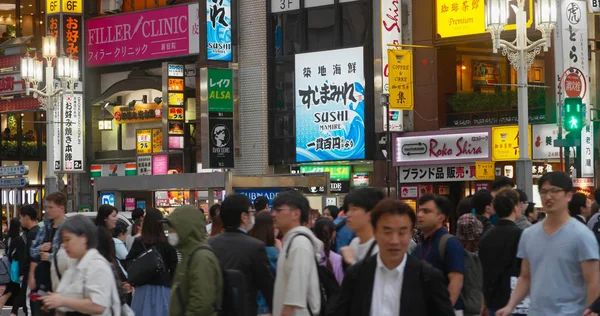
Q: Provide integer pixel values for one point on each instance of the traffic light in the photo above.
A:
(573, 120)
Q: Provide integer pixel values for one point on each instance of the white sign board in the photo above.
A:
(587, 152)
(144, 165)
(11, 171)
(543, 137)
(73, 138)
(594, 6)
(443, 148)
(57, 121)
(9, 183)
(449, 173)
(408, 192)
(278, 6)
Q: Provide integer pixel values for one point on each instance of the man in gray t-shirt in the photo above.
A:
(560, 270)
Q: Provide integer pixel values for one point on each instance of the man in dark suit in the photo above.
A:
(238, 251)
(393, 282)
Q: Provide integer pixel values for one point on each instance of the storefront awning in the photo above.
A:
(18, 105)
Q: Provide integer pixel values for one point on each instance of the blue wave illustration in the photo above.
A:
(220, 35)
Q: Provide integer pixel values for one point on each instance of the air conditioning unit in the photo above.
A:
(111, 6)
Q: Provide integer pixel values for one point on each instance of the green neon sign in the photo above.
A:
(336, 173)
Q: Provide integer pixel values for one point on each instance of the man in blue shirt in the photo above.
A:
(432, 213)
(343, 235)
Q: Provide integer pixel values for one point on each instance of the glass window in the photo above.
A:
(287, 32)
(354, 24)
(320, 29)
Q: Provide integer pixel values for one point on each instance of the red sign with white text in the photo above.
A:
(11, 84)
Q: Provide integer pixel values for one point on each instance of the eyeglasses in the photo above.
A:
(552, 191)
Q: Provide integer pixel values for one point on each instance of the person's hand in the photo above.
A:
(45, 256)
(46, 246)
(127, 287)
(287, 310)
(588, 312)
(506, 311)
(52, 301)
(348, 254)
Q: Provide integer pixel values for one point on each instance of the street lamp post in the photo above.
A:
(32, 73)
(521, 53)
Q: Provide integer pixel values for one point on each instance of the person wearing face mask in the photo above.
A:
(236, 250)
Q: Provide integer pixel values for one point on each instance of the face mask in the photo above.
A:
(173, 239)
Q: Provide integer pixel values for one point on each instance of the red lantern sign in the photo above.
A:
(573, 85)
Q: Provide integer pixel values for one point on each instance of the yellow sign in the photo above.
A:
(68, 6)
(401, 79)
(144, 141)
(505, 143)
(157, 139)
(175, 98)
(467, 17)
(484, 171)
(176, 114)
(140, 113)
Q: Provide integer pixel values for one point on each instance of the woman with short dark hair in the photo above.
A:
(264, 231)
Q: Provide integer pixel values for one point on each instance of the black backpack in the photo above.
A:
(233, 300)
(328, 285)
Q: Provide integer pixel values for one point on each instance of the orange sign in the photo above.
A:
(140, 113)
(175, 84)
(157, 139)
(176, 114)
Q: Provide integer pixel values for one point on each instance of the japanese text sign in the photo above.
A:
(505, 143)
(176, 114)
(485, 171)
(424, 174)
(11, 84)
(144, 141)
(543, 137)
(401, 79)
(72, 38)
(153, 34)
(330, 105)
(218, 30)
(391, 21)
(58, 134)
(144, 165)
(160, 164)
(220, 91)
(140, 113)
(452, 147)
(157, 140)
(336, 173)
(72, 137)
(587, 152)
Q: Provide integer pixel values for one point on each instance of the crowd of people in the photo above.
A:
(373, 256)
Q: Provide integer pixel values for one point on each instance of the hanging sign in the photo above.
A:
(218, 30)
(485, 171)
(330, 105)
(220, 92)
(458, 172)
(221, 146)
(505, 143)
(401, 79)
(144, 141)
(73, 138)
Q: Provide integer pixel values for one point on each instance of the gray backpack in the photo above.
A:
(472, 291)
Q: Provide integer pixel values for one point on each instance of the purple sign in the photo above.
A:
(160, 164)
(129, 204)
(137, 36)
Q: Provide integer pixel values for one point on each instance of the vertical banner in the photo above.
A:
(218, 30)
(57, 120)
(73, 122)
(220, 140)
(221, 146)
(401, 80)
(391, 33)
(176, 105)
(220, 93)
(330, 105)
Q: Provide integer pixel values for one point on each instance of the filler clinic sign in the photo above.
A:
(153, 34)
(330, 106)
(218, 30)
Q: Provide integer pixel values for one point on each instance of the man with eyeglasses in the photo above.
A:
(559, 268)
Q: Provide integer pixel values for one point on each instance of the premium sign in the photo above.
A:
(11, 84)
(221, 146)
(401, 80)
(459, 172)
(330, 105)
(543, 142)
(73, 138)
(459, 18)
(153, 34)
(218, 30)
(505, 143)
(429, 148)
(336, 173)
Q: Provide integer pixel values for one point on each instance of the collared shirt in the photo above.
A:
(387, 289)
(41, 236)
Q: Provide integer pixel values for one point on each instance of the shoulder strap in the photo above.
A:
(287, 250)
(56, 265)
(341, 224)
(442, 245)
(189, 263)
(287, 253)
(370, 252)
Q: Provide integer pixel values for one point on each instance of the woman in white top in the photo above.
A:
(88, 287)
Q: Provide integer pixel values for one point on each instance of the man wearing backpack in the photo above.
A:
(440, 249)
(28, 218)
(297, 286)
(198, 284)
(498, 253)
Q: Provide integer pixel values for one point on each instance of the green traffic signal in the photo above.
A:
(573, 120)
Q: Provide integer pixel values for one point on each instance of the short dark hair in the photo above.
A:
(578, 201)
(465, 206)
(293, 199)
(212, 211)
(530, 208)
(29, 211)
(366, 198)
(232, 208)
(505, 202)
(392, 207)
(260, 203)
(334, 210)
(81, 225)
(138, 212)
(501, 182)
(58, 198)
(522, 195)
(121, 228)
(558, 179)
(441, 202)
(481, 200)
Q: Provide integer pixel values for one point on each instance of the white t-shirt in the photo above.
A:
(361, 250)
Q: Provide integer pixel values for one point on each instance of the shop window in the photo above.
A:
(320, 29)
(283, 92)
(355, 29)
(287, 33)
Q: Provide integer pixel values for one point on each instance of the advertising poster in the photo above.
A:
(144, 141)
(221, 147)
(160, 164)
(218, 29)
(330, 105)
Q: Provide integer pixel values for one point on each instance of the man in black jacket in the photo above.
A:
(238, 251)
(498, 252)
(393, 282)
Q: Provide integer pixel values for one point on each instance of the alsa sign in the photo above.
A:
(11, 84)
(426, 149)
